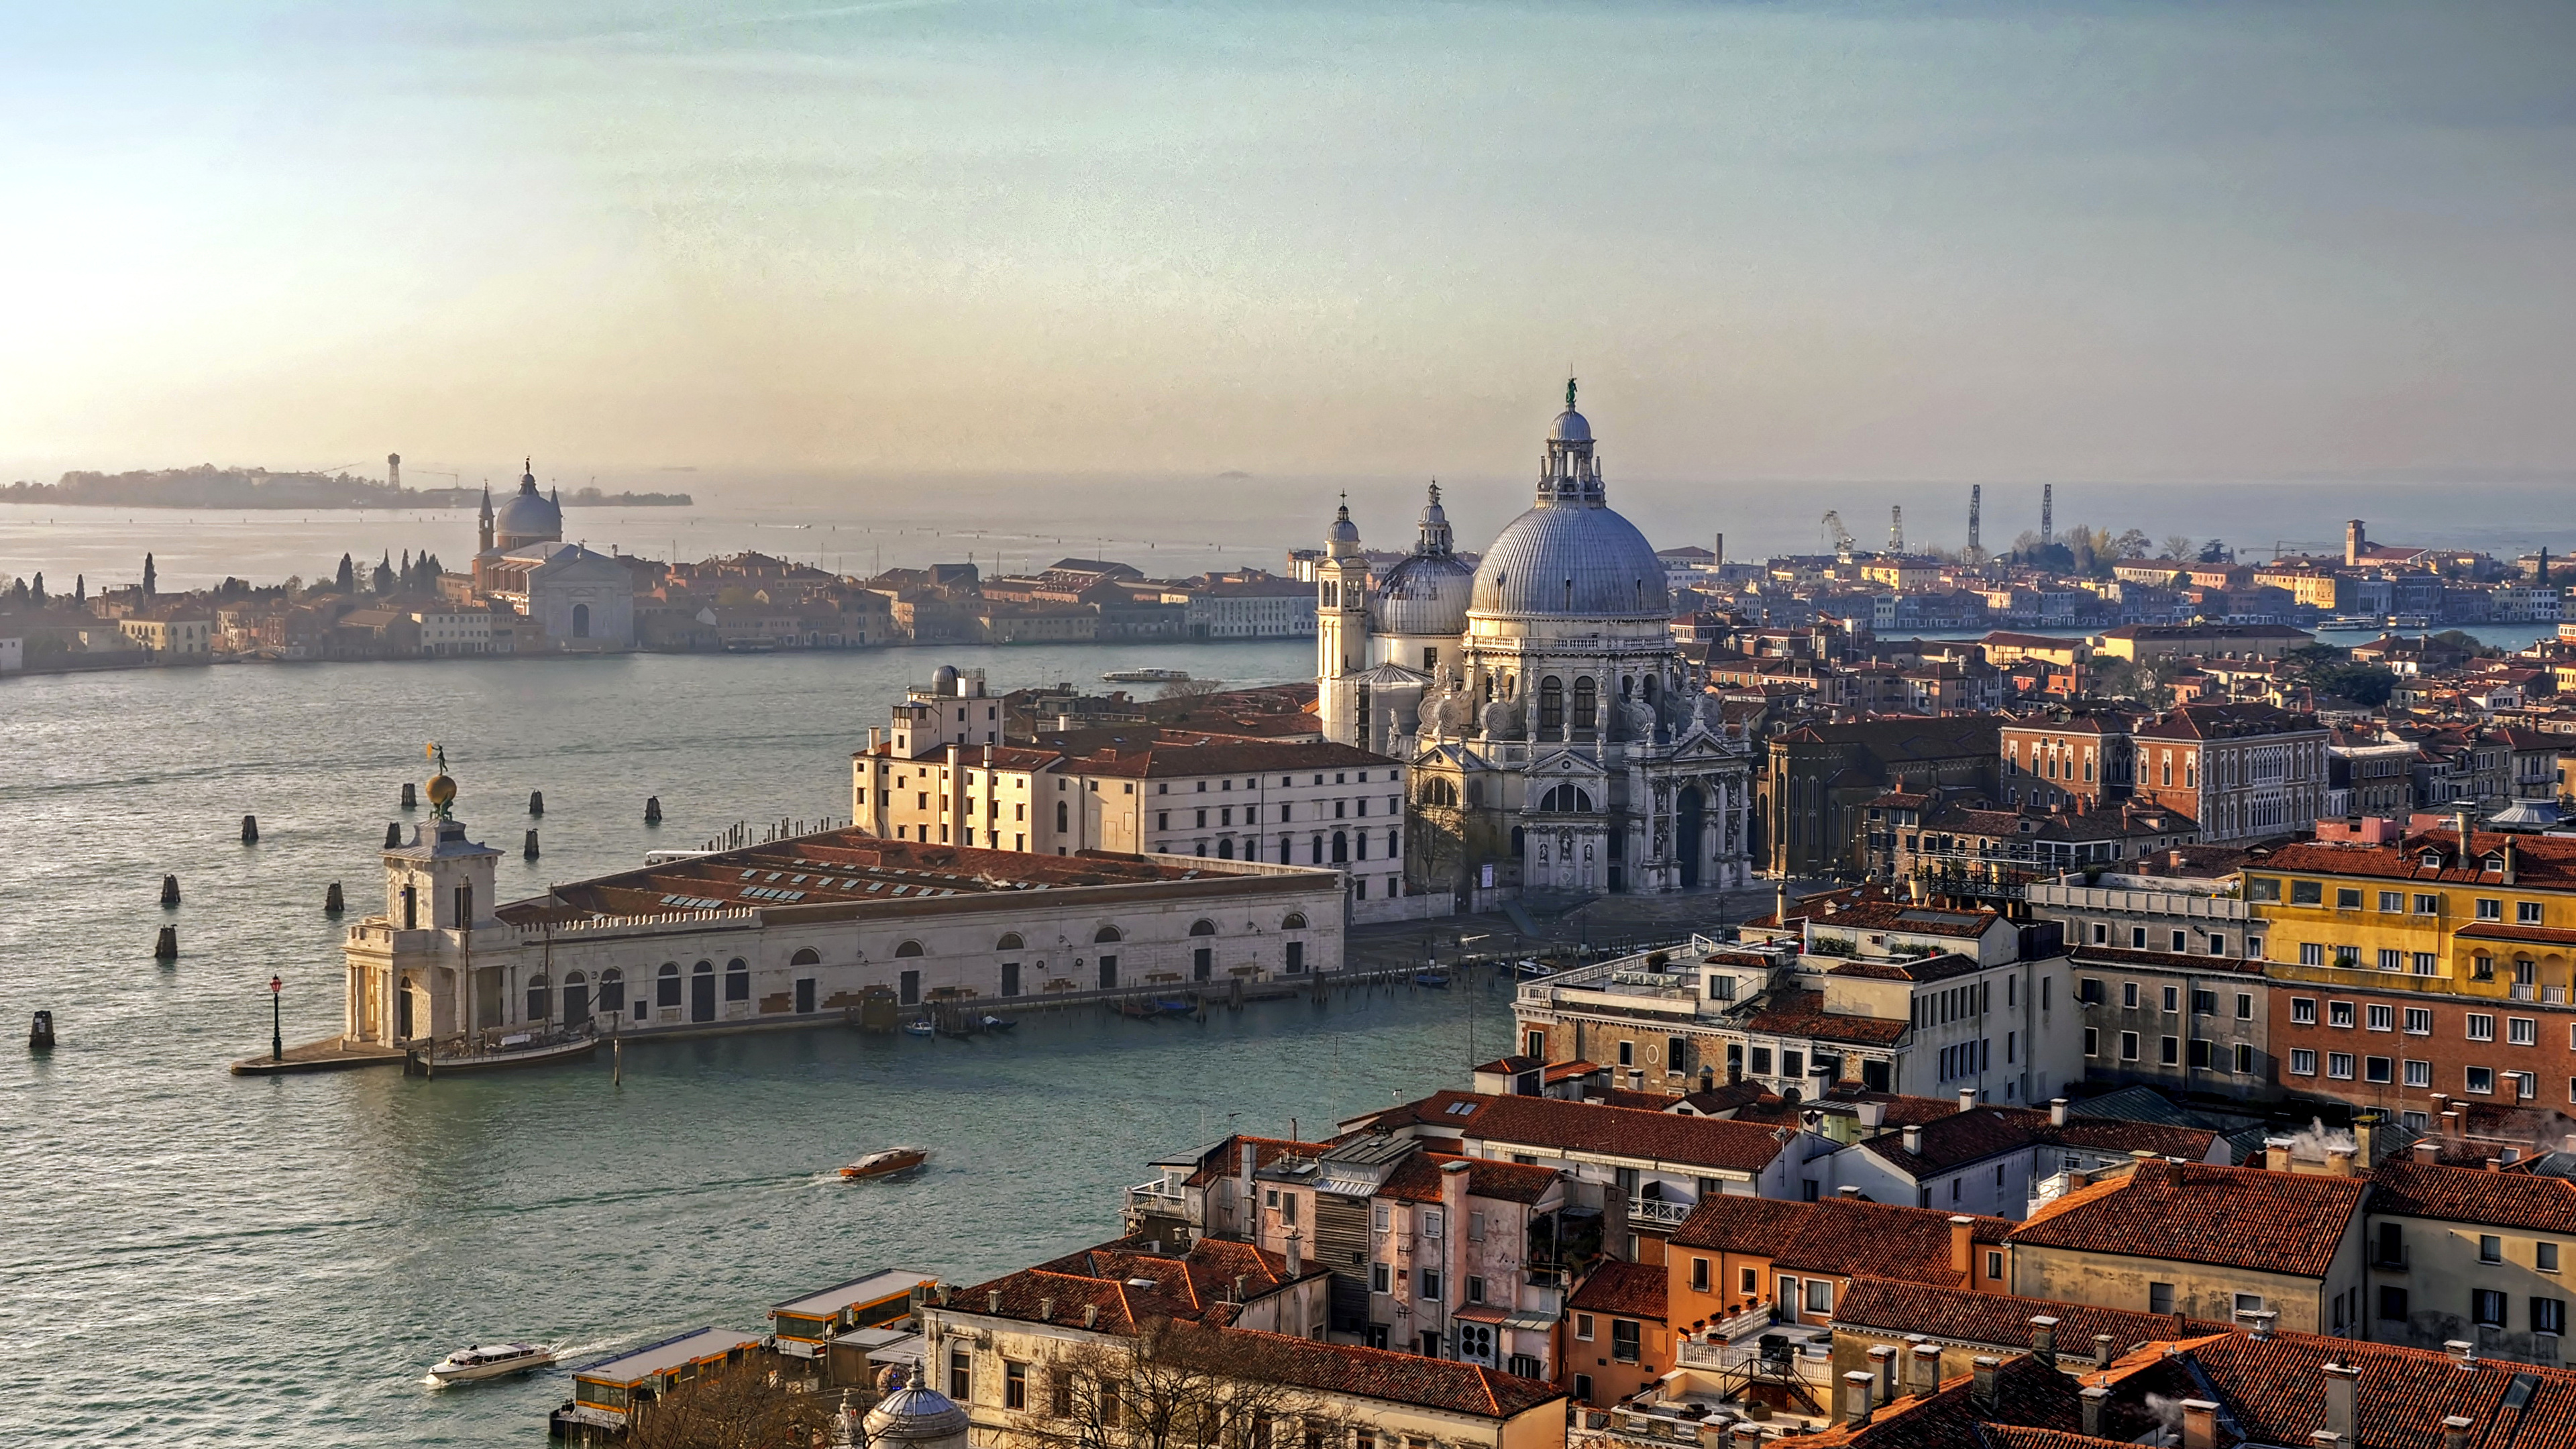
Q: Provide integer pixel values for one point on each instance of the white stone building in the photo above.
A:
(1556, 740)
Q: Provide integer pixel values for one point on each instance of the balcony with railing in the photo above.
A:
(1658, 1212)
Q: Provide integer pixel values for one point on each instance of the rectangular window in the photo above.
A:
(2169, 1051)
(2481, 1080)
(2427, 905)
(2128, 1046)
(2245, 1058)
(2392, 1304)
(2545, 1257)
(2419, 1021)
(2092, 1041)
(1431, 1283)
(2339, 1065)
(2481, 1026)
(2490, 909)
(2347, 898)
(2303, 1062)
(2527, 913)
(2378, 1069)
(1015, 1385)
(2392, 900)
(2172, 996)
(2129, 995)
(1379, 1275)
(2339, 1013)
(1699, 1275)
(2521, 1031)
(2160, 1298)
(1820, 1295)
(2383, 1018)
(2391, 960)
(2425, 963)
(2418, 1074)
(2486, 1307)
(1624, 1340)
(2262, 888)
(1431, 1222)
(2303, 1011)
(2307, 893)
(1583, 1327)
(2204, 1003)
(2245, 1006)
(961, 1377)
(2311, 954)
(2548, 1315)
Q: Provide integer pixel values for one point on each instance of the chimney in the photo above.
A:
(2259, 1323)
(1046, 1310)
(1296, 1252)
(1747, 1435)
(1967, 1099)
(1091, 1315)
(2463, 1352)
(1251, 1224)
(2454, 1125)
(2339, 1162)
(1963, 1247)
(1913, 1137)
(2508, 860)
(2340, 1382)
(2199, 1424)
(1981, 1392)
(993, 1300)
(2428, 1153)
(1240, 1279)
(1848, 1192)
(2043, 1339)
(1856, 1402)
(2093, 1399)
(2493, 1163)
(1874, 1115)
(1927, 1370)
(1882, 1366)
(2057, 1111)
(2276, 1153)
(2102, 1350)
(2455, 1431)
(2329, 1439)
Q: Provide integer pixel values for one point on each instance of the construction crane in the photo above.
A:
(1976, 506)
(2047, 513)
(1896, 529)
(1835, 534)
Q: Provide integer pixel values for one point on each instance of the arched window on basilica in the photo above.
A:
(1551, 705)
(1566, 798)
(1586, 704)
(1437, 791)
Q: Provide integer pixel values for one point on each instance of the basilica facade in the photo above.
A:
(1557, 743)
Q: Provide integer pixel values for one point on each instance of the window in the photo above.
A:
(2347, 898)
(2481, 1080)
(2307, 893)
(2418, 1074)
(2383, 1018)
(2172, 997)
(1015, 1385)
(1431, 1283)
(2419, 1021)
(2311, 954)
(2392, 1303)
(1820, 1295)
(2490, 909)
(2303, 1011)
(2521, 1031)
(1699, 1275)
(2245, 1058)
(2168, 1052)
(2426, 905)
(2160, 1298)
(2303, 1062)
(2249, 1303)
(2486, 1307)
(2129, 995)
(1995, 1265)
(2204, 1003)
(2128, 1046)
(2548, 1315)
(2481, 1026)
(2526, 913)
(2545, 1257)
(2377, 1069)
(2339, 1065)
(2425, 963)
(2262, 888)
(2092, 1041)
(2391, 960)
(1624, 1337)
(2245, 1006)
(2392, 900)
(1379, 1278)
(961, 1376)
(2339, 1013)
(1431, 1222)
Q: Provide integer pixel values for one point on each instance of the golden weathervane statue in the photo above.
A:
(442, 786)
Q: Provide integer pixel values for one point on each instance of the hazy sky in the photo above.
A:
(1915, 241)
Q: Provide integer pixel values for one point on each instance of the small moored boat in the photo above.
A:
(921, 1026)
(490, 1361)
(1431, 978)
(887, 1163)
(999, 1023)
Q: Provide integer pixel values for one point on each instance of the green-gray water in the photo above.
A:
(195, 1257)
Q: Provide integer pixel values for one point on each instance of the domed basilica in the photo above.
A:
(1556, 741)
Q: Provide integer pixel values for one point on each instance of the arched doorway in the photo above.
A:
(576, 999)
(581, 621)
(1687, 825)
(702, 991)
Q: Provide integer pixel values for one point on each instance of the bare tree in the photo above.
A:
(1190, 688)
(1179, 1386)
(738, 1406)
(2180, 548)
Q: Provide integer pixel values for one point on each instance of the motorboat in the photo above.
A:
(1146, 676)
(1432, 978)
(921, 1026)
(2348, 624)
(887, 1163)
(477, 1361)
(1173, 1007)
(999, 1023)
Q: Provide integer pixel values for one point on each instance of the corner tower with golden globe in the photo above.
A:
(412, 974)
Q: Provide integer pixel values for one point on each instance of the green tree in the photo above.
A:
(151, 577)
(347, 575)
(2132, 544)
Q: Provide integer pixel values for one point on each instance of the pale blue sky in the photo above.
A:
(1777, 240)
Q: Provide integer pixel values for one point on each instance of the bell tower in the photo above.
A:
(439, 890)
(1341, 629)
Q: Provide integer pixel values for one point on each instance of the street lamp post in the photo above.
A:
(276, 1019)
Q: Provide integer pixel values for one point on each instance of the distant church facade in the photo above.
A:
(585, 601)
(1556, 740)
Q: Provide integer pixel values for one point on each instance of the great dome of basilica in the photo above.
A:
(1571, 555)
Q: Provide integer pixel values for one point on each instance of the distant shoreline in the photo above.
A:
(424, 503)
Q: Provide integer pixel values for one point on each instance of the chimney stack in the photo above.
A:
(2043, 1339)
(1963, 1246)
(1981, 1391)
(1927, 1370)
(2102, 1350)
(1848, 1192)
(1856, 1397)
(2341, 1380)
(1091, 1315)
(2339, 1162)
(993, 1300)
(2057, 1111)
(2463, 1353)
(1913, 1136)
(2428, 1153)
(1882, 1366)
(2093, 1399)
(2276, 1154)
(2199, 1424)
(2455, 1431)
(1967, 1099)
(1296, 1252)
(1046, 1310)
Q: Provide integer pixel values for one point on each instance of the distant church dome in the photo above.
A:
(1571, 556)
(1343, 530)
(528, 517)
(1426, 593)
(914, 1415)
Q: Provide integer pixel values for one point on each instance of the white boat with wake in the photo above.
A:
(477, 1361)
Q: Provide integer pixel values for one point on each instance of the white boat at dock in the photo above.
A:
(496, 1053)
(478, 1361)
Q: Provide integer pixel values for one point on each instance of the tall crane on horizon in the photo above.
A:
(1835, 534)
(1976, 506)
(1896, 528)
(2047, 513)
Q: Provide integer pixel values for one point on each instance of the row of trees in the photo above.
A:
(2084, 549)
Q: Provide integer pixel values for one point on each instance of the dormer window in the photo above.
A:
(2493, 863)
(2432, 860)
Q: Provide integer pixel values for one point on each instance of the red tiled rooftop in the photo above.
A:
(2237, 1217)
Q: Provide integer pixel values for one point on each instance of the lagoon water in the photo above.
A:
(197, 1258)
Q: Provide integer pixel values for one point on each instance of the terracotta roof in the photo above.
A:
(1184, 1286)
(2473, 1195)
(1162, 761)
(2535, 935)
(2541, 862)
(2000, 1320)
(1802, 1013)
(1226, 1158)
(2274, 1390)
(2028, 1394)
(2239, 1217)
(1962, 1138)
(1635, 1290)
(1848, 1238)
(1936, 968)
(2227, 721)
(1602, 1131)
(1398, 1378)
(2161, 960)
(1509, 1066)
(1901, 916)
(1417, 1179)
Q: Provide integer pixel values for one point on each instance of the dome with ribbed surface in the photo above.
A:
(528, 517)
(1570, 428)
(1561, 560)
(916, 1415)
(1425, 594)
